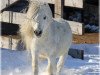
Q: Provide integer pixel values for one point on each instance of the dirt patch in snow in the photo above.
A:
(90, 38)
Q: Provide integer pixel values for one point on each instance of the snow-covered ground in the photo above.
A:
(19, 62)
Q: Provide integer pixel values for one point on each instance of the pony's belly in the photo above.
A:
(56, 48)
(49, 50)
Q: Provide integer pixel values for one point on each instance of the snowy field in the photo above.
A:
(19, 62)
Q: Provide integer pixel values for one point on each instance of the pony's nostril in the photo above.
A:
(37, 32)
(40, 32)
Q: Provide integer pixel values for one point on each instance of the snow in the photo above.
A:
(19, 62)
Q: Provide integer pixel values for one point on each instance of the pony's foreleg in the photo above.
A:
(35, 63)
(60, 64)
(51, 68)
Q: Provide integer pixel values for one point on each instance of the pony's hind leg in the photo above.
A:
(51, 67)
(60, 64)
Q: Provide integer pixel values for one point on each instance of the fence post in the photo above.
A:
(59, 6)
(10, 42)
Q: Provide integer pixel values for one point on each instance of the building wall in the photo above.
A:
(91, 10)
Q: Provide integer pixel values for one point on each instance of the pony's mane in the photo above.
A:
(26, 30)
(33, 9)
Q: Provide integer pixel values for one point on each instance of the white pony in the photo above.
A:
(46, 37)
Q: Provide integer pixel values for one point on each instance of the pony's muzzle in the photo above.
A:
(38, 32)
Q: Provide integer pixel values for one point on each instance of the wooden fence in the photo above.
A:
(11, 42)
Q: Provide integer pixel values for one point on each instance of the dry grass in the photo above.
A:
(89, 38)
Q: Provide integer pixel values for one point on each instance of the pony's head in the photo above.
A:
(40, 15)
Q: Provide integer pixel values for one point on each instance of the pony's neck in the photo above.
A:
(48, 29)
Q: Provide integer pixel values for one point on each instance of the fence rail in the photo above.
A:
(11, 42)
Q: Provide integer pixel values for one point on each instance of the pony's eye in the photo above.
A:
(44, 17)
